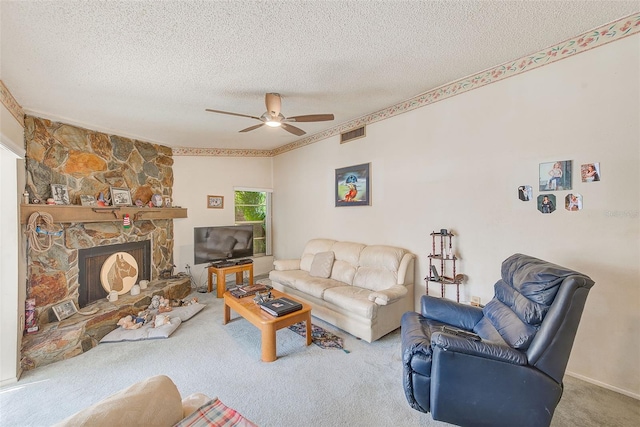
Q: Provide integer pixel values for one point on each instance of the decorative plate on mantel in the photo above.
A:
(119, 273)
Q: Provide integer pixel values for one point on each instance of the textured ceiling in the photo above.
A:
(148, 69)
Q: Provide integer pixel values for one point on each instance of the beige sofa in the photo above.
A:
(362, 289)
(156, 401)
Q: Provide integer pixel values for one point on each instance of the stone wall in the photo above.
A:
(80, 333)
(90, 162)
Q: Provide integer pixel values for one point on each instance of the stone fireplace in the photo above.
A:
(90, 163)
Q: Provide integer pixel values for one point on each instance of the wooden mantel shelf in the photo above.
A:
(73, 213)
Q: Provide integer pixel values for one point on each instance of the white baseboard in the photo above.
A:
(8, 381)
(603, 385)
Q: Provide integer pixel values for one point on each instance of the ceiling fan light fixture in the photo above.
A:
(275, 119)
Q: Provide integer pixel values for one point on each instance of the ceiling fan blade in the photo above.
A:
(232, 114)
(311, 118)
(252, 128)
(292, 129)
(273, 103)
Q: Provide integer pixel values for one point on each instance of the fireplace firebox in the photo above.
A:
(90, 263)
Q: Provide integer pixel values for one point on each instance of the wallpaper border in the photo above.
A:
(11, 104)
(597, 37)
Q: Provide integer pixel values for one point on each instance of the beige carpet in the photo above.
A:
(307, 386)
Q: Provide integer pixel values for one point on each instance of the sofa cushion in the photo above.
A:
(374, 279)
(381, 256)
(215, 414)
(343, 272)
(316, 286)
(378, 267)
(313, 247)
(353, 299)
(322, 264)
(288, 277)
(154, 401)
(346, 261)
(348, 252)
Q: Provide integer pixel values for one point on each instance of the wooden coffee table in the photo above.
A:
(267, 323)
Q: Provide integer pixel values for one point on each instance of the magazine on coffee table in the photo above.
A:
(280, 306)
(248, 290)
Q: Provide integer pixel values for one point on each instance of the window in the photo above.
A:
(254, 207)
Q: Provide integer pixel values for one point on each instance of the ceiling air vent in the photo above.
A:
(352, 134)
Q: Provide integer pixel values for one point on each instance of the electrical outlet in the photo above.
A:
(475, 301)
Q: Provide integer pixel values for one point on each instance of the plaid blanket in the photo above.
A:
(215, 414)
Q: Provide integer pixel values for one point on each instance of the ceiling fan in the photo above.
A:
(274, 118)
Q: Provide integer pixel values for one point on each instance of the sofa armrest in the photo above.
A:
(388, 295)
(405, 270)
(154, 401)
(286, 264)
(484, 349)
(451, 312)
(414, 339)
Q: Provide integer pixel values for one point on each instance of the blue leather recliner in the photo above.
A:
(513, 375)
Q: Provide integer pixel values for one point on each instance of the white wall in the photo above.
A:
(195, 178)
(457, 164)
(12, 268)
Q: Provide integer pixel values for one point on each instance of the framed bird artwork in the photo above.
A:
(353, 185)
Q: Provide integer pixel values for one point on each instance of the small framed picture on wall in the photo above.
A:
(215, 202)
(590, 172)
(555, 176)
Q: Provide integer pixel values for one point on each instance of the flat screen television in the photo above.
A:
(222, 243)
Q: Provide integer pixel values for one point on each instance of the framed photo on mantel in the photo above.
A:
(88, 200)
(120, 196)
(65, 309)
(60, 194)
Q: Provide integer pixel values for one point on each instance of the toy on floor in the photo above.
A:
(183, 303)
(144, 317)
(164, 305)
(128, 322)
(161, 319)
(155, 302)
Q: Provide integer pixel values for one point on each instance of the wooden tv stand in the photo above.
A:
(221, 273)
